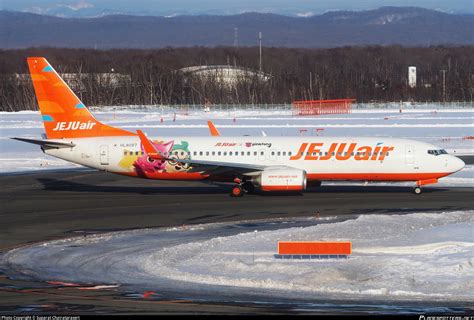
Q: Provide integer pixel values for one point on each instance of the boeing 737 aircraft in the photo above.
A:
(267, 163)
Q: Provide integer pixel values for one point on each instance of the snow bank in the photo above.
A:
(421, 256)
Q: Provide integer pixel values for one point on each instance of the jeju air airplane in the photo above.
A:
(266, 163)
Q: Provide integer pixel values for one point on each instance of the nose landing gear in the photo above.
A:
(419, 183)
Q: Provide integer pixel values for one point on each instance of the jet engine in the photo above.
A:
(281, 180)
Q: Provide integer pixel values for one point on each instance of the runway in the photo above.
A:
(51, 205)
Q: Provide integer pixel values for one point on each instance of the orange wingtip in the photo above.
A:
(213, 129)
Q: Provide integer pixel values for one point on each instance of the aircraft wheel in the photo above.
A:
(417, 190)
(237, 191)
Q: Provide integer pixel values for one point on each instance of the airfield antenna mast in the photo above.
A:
(260, 51)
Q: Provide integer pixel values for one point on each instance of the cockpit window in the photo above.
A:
(437, 152)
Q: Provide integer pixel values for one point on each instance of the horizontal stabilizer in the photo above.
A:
(48, 143)
(149, 148)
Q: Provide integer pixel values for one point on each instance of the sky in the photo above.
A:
(178, 7)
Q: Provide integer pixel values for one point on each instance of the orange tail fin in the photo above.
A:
(64, 115)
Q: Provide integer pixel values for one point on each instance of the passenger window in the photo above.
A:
(289, 153)
(207, 153)
(273, 153)
(200, 153)
(219, 153)
(225, 153)
(284, 153)
(230, 153)
(255, 153)
(125, 153)
(261, 153)
(248, 153)
(213, 153)
(242, 153)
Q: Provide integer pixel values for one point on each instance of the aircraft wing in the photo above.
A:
(48, 143)
(218, 167)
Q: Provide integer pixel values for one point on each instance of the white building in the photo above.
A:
(412, 76)
(226, 74)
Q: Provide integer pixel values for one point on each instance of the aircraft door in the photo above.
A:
(104, 155)
(409, 154)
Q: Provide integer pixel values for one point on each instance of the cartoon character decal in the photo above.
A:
(147, 164)
(142, 164)
(180, 151)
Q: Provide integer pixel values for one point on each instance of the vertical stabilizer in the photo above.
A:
(64, 115)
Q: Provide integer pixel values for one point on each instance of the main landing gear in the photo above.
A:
(237, 191)
(241, 188)
(417, 190)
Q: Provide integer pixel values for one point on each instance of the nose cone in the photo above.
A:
(455, 164)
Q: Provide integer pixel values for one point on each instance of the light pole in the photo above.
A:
(444, 85)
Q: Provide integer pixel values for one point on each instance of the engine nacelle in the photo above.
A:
(281, 180)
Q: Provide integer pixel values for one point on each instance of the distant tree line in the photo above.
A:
(368, 74)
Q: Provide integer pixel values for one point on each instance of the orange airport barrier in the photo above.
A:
(319, 107)
(314, 248)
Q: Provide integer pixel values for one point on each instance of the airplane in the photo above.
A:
(264, 163)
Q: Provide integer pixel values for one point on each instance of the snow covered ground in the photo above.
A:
(419, 257)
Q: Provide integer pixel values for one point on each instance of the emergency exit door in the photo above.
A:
(104, 155)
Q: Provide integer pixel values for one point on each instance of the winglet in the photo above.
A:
(213, 129)
(149, 147)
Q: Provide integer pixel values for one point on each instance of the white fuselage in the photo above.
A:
(323, 158)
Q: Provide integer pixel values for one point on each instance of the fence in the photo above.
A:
(319, 107)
